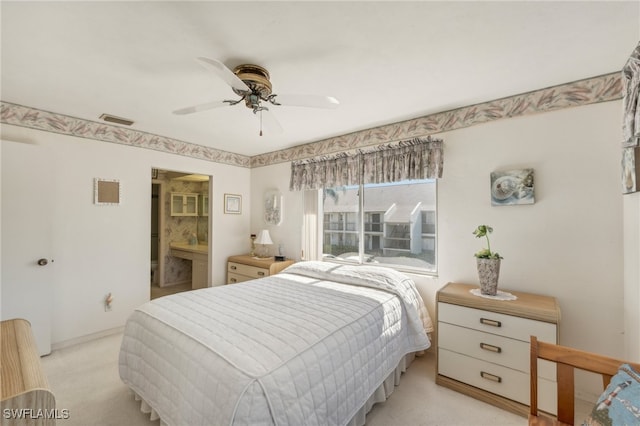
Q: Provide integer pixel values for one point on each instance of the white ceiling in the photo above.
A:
(384, 61)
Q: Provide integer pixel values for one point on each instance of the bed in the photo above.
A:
(318, 343)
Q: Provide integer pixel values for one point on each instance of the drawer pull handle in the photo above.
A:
(492, 323)
(491, 348)
(491, 377)
(261, 273)
(233, 267)
(233, 280)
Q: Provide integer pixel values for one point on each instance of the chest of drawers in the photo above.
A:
(245, 267)
(483, 346)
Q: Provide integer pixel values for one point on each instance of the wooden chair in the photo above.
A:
(23, 384)
(566, 360)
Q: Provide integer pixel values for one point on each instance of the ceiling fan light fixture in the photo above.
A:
(252, 101)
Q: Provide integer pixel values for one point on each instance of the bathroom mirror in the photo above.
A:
(273, 207)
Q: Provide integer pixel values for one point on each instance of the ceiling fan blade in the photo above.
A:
(312, 101)
(224, 73)
(200, 107)
(270, 122)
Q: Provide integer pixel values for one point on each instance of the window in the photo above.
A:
(392, 224)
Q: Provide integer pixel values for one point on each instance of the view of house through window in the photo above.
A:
(397, 225)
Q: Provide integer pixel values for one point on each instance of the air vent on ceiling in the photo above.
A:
(117, 120)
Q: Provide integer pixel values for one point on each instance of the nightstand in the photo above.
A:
(483, 346)
(245, 267)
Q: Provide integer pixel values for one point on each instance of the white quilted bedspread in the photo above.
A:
(305, 347)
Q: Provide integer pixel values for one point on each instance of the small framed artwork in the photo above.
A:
(512, 187)
(106, 192)
(232, 204)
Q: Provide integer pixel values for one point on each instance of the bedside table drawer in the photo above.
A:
(492, 348)
(496, 323)
(249, 271)
(512, 384)
(233, 278)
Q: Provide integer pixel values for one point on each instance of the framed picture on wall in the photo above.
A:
(232, 204)
(512, 187)
(106, 192)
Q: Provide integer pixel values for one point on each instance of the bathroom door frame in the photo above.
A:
(161, 250)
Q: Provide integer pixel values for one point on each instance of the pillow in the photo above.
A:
(619, 404)
(370, 276)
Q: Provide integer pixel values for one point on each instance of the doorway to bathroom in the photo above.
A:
(155, 233)
(180, 223)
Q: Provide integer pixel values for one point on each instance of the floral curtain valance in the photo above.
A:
(406, 160)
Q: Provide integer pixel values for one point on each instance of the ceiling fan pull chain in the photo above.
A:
(260, 122)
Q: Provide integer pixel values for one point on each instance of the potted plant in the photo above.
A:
(488, 263)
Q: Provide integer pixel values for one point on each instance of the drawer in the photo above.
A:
(489, 347)
(509, 383)
(233, 278)
(250, 271)
(495, 323)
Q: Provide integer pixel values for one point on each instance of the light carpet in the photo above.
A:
(85, 380)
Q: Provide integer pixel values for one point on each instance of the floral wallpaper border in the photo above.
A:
(60, 123)
(603, 88)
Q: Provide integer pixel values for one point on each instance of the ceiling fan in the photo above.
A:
(252, 84)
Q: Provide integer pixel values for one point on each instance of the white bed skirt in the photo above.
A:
(381, 394)
(383, 391)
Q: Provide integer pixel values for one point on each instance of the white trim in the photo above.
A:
(86, 338)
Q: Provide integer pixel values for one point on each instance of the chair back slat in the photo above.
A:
(565, 393)
(533, 384)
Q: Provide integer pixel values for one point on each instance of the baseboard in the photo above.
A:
(86, 338)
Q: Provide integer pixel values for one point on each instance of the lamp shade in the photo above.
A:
(264, 237)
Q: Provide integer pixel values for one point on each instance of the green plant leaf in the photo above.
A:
(484, 231)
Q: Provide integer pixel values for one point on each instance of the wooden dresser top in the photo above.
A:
(528, 305)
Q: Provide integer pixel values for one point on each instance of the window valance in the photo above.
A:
(406, 160)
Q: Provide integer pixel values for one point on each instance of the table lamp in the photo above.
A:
(263, 240)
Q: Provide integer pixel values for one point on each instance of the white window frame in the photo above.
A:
(361, 233)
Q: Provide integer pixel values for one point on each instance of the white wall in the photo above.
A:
(105, 249)
(569, 244)
(289, 232)
(631, 203)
